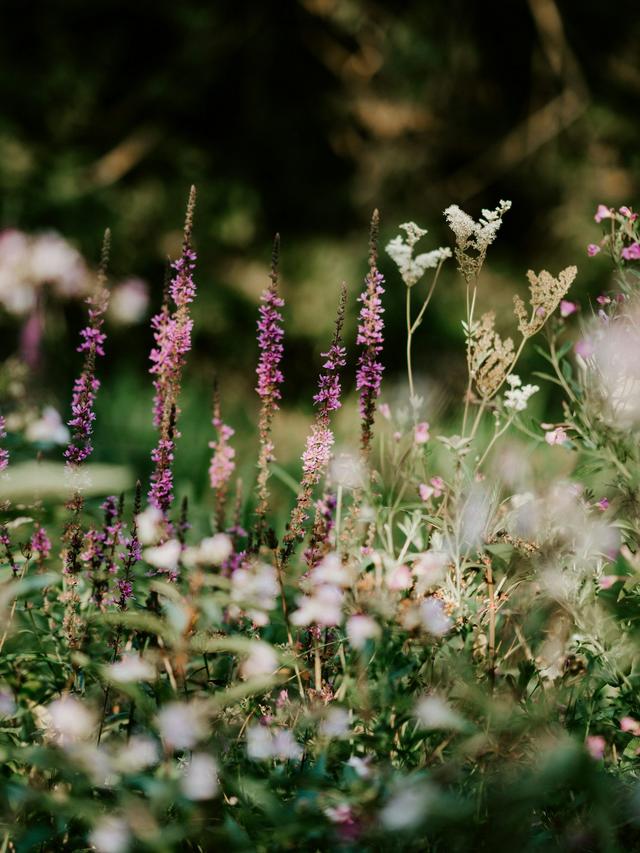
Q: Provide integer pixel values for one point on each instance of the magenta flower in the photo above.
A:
(172, 336)
(584, 348)
(86, 385)
(370, 337)
(603, 299)
(626, 211)
(592, 249)
(40, 543)
(602, 212)
(4, 453)
(596, 746)
(421, 433)
(271, 349)
(567, 308)
(632, 252)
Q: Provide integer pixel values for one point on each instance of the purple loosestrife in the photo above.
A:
(4, 453)
(172, 335)
(41, 544)
(270, 335)
(370, 337)
(317, 453)
(86, 385)
(131, 555)
(323, 525)
(222, 465)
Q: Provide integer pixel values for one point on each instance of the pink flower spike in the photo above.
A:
(592, 249)
(425, 491)
(596, 745)
(567, 308)
(421, 433)
(602, 213)
(632, 252)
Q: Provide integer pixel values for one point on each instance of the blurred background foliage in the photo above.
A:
(301, 117)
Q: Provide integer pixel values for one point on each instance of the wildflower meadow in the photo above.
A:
(434, 647)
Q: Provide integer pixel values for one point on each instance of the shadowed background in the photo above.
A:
(300, 117)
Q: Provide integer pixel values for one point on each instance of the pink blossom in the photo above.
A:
(425, 491)
(592, 249)
(399, 578)
(567, 308)
(628, 724)
(584, 348)
(603, 299)
(607, 581)
(556, 436)
(603, 503)
(602, 213)
(626, 211)
(421, 433)
(438, 486)
(596, 745)
(632, 252)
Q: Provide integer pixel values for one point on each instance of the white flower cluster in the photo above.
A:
(28, 263)
(400, 250)
(254, 590)
(264, 743)
(518, 395)
(323, 603)
(477, 235)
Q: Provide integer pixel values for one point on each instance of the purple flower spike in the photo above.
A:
(86, 385)
(370, 337)
(4, 453)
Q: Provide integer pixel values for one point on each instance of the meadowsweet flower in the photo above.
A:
(603, 212)
(130, 669)
(433, 617)
(70, 720)
(172, 337)
(254, 591)
(518, 396)
(421, 433)
(164, 557)
(86, 386)
(593, 249)
(270, 378)
(323, 607)
(632, 252)
(411, 268)
(546, 292)
(474, 238)
(4, 453)
(399, 578)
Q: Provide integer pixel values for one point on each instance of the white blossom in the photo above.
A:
(200, 780)
(164, 556)
(264, 743)
(110, 835)
(262, 660)
(411, 268)
(130, 669)
(518, 395)
(335, 723)
(48, 428)
(149, 524)
(361, 628)
(70, 719)
(433, 618)
(434, 712)
(182, 724)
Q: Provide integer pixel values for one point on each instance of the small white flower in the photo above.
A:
(433, 618)
(130, 669)
(262, 660)
(216, 549)
(140, 752)
(48, 428)
(408, 807)
(518, 396)
(411, 268)
(164, 556)
(129, 300)
(182, 724)
(149, 525)
(361, 628)
(110, 835)
(331, 570)
(434, 713)
(335, 723)
(324, 607)
(361, 766)
(70, 719)
(200, 780)
(263, 743)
